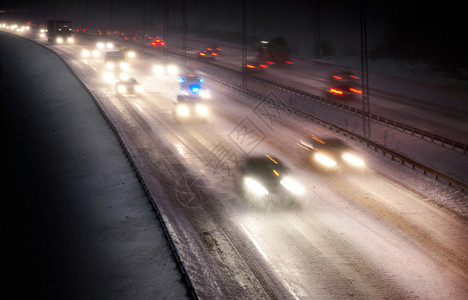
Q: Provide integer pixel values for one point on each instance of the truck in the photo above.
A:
(275, 51)
(59, 32)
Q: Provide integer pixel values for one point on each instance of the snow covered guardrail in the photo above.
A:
(426, 135)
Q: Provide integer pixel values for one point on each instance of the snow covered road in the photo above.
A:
(372, 234)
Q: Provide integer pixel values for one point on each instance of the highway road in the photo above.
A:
(364, 234)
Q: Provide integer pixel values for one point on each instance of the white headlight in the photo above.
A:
(201, 110)
(182, 110)
(59, 40)
(131, 54)
(109, 45)
(138, 88)
(85, 53)
(100, 45)
(255, 187)
(121, 89)
(109, 77)
(292, 186)
(172, 70)
(69, 40)
(158, 70)
(355, 161)
(95, 53)
(109, 65)
(123, 65)
(325, 160)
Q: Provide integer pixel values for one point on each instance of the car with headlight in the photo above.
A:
(129, 86)
(162, 68)
(206, 54)
(331, 154)
(115, 60)
(157, 43)
(266, 178)
(104, 45)
(189, 109)
(344, 84)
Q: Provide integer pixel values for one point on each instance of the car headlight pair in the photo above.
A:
(330, 162)
(258, 189)
(162, 70)
(184, 110)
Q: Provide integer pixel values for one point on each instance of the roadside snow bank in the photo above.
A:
(78, 223)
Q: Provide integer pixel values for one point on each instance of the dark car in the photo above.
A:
(331, 154)
(207, 54)
(255, 66)
(266, 178)
(128, 86)
(344, 84)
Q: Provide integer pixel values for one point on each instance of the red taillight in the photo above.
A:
(209, 49)
(270, 62)
(153, 44)
(337, 77)
(355, 77)
(219, 49)
(263, 66)
(355, 91)
(202, 54)
(289, 62)
(214, 53)
(250, 66)
(162, 43)
(336, 91)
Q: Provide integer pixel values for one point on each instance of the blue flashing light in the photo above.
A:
(200, 80)
(195, 88)
(181, 79)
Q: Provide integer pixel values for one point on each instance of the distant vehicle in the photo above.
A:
(90, 53)
(190, 104)
(128, 86)
(206, 54)
(59, 32)
(331, 154)
(161, 68)
(266, 178)
(255, 66)
(214, 49)
(103, 44)
(115, 60)
(344, 84)
(157, 43)
(275, 52)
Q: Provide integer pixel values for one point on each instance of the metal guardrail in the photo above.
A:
(376, 147)
(442, 141)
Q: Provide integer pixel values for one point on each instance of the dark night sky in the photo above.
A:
(404, 29)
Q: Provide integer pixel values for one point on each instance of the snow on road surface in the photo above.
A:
(375, 234)
(78, 223)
